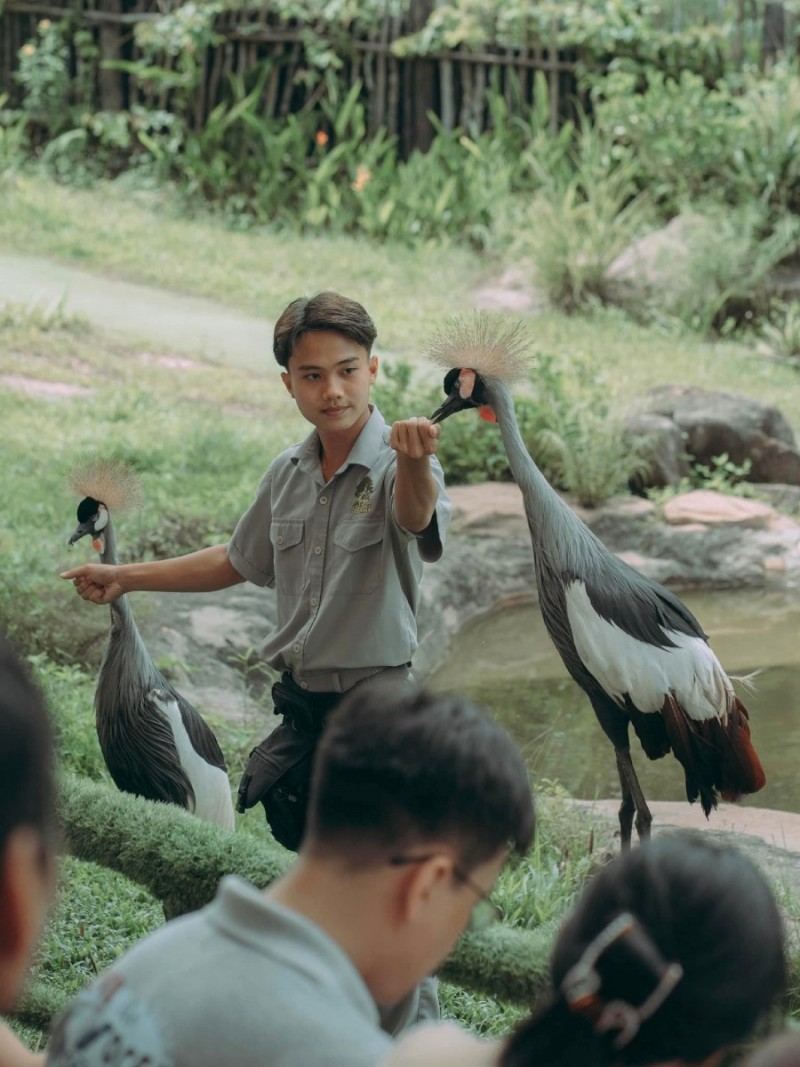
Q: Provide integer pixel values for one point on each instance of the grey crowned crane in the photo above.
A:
(154, 743)
(637, 652)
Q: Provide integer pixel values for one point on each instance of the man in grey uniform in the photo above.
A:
(416, 801)
(340, 527)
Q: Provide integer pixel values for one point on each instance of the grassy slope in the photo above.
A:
(139, 236)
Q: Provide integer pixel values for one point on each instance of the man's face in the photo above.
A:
(330, 377)
(441, 914)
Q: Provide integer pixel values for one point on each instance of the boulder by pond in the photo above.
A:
(671, 420)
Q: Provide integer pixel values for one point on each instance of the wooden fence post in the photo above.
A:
(109, 43)
(419, 96)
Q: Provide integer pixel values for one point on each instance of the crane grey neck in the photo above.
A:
(120, 609)
(549, 517)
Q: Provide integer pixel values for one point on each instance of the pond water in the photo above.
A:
(507, 662)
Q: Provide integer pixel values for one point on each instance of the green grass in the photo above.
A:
(139, 236)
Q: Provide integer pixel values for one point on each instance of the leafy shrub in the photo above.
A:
(69, 692)
(581, 219)
(781, 330)
(722, 280)
(564, 421)
(732, 144)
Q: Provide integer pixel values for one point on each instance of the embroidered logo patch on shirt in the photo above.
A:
(364, 491)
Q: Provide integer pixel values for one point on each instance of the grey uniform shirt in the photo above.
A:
(345, 572)
(244, 982)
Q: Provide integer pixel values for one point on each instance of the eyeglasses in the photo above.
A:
(484, 911)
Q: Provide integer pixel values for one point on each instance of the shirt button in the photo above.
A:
(323, 500)
(280, 539)
(304, 685)
(317, 551)
(295, 648)
(314, 602)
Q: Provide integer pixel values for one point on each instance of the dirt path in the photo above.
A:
(140, 313)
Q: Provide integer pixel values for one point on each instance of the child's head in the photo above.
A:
(674, 951)
(27, 820)
(324, 311)
(398, 768)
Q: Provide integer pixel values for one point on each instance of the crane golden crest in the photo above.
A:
(106, 478)
(489, 345)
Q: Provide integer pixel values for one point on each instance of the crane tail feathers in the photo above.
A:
(718, 758)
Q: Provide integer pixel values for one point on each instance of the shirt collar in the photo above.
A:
(364, 452)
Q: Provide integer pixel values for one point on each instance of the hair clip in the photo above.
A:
(581, 987)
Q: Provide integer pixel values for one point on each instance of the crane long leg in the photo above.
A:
(632, 800)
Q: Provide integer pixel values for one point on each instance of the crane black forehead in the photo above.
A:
(450, 379)
(87, 508)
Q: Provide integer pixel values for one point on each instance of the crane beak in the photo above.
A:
(453, 404)
(81, 530)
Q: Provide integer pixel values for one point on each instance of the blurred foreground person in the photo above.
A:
(674, 951)
(27, 836)
(781, 1050)
(416, 801)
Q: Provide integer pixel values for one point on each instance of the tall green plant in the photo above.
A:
(581, 219)
(721, 280)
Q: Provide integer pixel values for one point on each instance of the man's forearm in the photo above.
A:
(415, 493)
(199, 572)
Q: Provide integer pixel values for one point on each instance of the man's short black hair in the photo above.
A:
(27, 787)
(324, 311)
(398, 766)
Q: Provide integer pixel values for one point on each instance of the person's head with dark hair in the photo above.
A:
(674, 951)
(27, 820)
(326, 311)
(398, 768)
(415, 803)
(324, 345)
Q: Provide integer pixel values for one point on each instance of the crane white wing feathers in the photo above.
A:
(211, 786)
(622, 664)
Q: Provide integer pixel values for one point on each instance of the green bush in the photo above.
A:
(69, 692)
(722, 280)
(564, 419)
(733, 144)
(580, 220)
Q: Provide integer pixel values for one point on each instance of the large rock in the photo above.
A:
(648, 265)
(712, 423)
(659, 441)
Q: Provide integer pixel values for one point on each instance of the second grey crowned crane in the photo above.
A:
(154, 743)
(633, 647)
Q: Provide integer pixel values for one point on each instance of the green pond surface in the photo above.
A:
(507, 662)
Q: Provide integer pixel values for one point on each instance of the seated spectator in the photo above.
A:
(27, 836)
(415, 802)
(781, 1050)
(674, 951)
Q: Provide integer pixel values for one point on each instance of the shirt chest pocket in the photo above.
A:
(287, 536)
(357, 559)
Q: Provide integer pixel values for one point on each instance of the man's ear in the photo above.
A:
(287, 381)
(421, 885)
(373, 368)
(24, 894)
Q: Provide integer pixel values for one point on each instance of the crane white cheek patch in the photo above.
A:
(623, 664)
